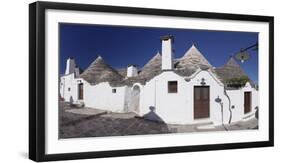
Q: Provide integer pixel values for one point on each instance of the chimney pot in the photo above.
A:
(132, 71)
(70, 66)
(167, 54)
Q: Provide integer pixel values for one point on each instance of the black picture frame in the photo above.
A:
(37, 80)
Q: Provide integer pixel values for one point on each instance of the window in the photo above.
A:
(68, 89)
(114, 90)
(172, 86)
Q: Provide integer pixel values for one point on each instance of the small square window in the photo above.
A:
(114, 90)
(172, 86)
(69, 89)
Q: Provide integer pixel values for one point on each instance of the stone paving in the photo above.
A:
(89, 122)
(111, 124)
(86, 111)
(251, 123)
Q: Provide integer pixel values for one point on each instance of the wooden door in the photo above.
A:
(201, 102)
(80, 91)
(247, 102)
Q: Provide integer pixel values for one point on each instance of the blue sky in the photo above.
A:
(120, 46)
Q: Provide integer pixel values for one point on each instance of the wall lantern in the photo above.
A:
(243, 55)
(203, 81)
(218, 99)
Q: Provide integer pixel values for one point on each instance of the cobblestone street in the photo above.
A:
(89, 122)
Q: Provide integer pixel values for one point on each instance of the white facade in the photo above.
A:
(237, 102)
(172, 108)
(69, 88)
(178, 107)
(100, 96)
(103, 96)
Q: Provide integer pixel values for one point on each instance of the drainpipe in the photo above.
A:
(218, 100)
(229, 105)
(222, 117)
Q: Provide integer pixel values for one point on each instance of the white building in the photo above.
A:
(184, 90)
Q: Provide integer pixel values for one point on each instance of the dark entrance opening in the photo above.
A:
(247, 102)
(201, 102)
(80, 91)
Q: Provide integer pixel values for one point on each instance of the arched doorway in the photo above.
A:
(135, 101)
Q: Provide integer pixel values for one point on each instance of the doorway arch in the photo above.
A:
(135, 99)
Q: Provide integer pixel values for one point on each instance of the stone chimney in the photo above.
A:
(167, 55)
(70, 66)
(77, 71)
(132, 71)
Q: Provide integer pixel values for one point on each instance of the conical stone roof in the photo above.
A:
(193, 59)
(99, 71)
(230, 70)
(122, 71)
(152, 68)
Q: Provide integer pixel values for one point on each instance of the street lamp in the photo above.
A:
(243, 54)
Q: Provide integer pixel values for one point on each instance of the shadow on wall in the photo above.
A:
(152, 116)
(71, 100)
(257, 112)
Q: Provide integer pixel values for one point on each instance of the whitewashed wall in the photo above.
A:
(173, 108)
(100, 96)
(237, 99)
(216, 91)
(66, 82)
(255, 99)
(170, 107)
(177, 108)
